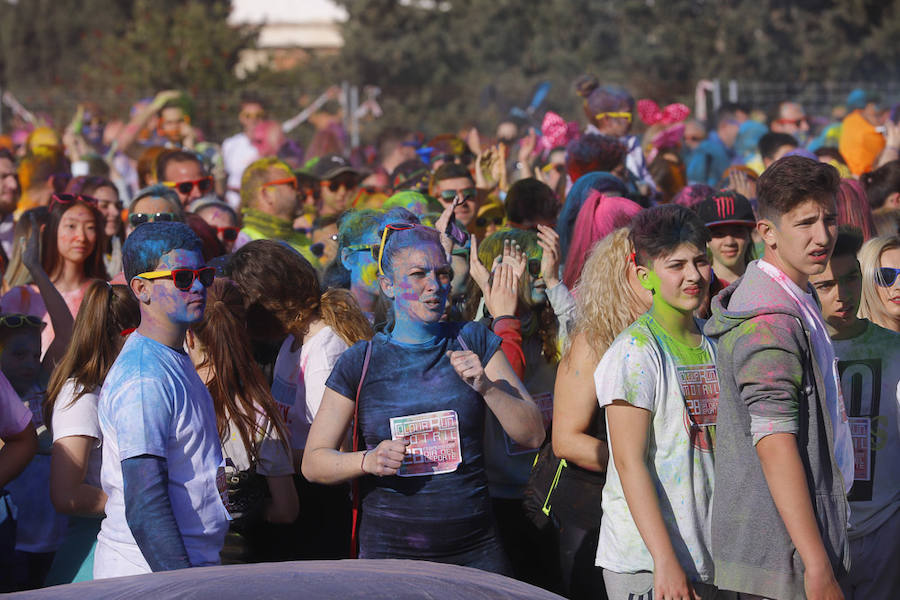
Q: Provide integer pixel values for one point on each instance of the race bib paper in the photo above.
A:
(434, 445)
(700, 386)
(860, 431)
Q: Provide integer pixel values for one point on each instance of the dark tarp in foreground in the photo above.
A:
(369, 579)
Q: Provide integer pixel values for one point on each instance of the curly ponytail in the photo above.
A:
(340, 311)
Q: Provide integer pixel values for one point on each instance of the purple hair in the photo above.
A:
(853, 208)
(692, 195)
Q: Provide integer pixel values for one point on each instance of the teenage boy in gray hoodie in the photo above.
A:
(784, 455)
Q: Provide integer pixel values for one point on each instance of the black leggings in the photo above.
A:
(577, 552)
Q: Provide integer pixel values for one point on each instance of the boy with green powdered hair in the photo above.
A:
(659, 386)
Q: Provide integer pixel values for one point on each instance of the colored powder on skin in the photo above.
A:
(368, 275)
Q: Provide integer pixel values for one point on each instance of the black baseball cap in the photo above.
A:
(726, 208)
(330, 166)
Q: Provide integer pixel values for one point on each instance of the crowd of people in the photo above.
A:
(636, 357)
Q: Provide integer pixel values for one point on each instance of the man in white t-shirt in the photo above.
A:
(238, 150)
(162, 460)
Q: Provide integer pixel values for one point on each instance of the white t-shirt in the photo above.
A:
(79, 418)
(153, 403)
(647, 368)
(237, 154)
(824, 353)
(273, 458)
(299, 380)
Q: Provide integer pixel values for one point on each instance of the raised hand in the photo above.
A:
(504, 296)
(31, 247)
(526, 149)
(514, 256)
(477, 271)
(548, 240)
(741, 183)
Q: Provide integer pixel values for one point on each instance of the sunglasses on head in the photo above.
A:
(17, 320)
(291, 181)
(370, 248)
(467, 194)
(70, 199)
(183, 278)
(346, 181)
(614, 115)
(229, 234)
(886, 276)
(388, 230)
(140, 218)
(186, 187)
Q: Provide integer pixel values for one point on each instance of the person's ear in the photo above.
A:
(643, 276)
(345, 258)
(768, 232)
(141, 289)
(265, 196)
(387, 286)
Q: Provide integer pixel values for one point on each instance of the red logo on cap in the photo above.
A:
(725, 206)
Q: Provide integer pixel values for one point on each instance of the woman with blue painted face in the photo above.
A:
(420, 392)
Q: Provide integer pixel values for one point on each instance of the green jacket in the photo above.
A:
(261, 226)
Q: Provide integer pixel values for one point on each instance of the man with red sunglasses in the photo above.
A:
(790, 118)
(221, 216)
(163, 470)
(183, 171)
(269, 202)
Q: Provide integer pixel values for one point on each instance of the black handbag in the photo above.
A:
(561, 492)
(246, 494)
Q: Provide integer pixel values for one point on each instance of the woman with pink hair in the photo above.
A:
(599, 215)
(853, 208)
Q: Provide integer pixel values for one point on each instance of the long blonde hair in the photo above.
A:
(871, 306)
(605, 302)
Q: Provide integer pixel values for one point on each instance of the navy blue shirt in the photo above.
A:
(428, 515)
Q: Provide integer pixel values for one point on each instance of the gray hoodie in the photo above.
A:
(768, 376)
